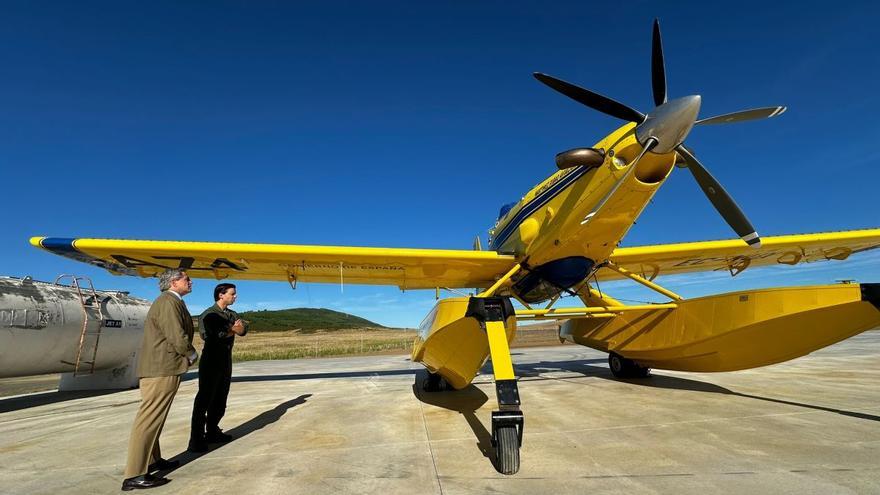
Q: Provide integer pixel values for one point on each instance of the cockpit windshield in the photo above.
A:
(505, 209)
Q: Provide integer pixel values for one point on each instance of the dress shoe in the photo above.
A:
(218, 437)
(163, 464)
(197, 446)
(143, 481)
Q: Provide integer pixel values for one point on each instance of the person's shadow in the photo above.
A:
(466, 402)
(261, 420)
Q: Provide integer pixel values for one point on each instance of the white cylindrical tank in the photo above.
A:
(41, 325)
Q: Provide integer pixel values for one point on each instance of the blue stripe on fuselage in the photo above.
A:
(537, 202)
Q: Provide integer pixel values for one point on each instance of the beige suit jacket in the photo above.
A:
(168, 334)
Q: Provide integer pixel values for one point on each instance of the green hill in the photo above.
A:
(304, 319)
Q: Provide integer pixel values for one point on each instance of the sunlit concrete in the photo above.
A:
(355, 425)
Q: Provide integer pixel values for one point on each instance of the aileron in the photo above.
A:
(734, 256)
(405, 268)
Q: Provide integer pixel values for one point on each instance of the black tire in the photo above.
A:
(618, 365)
(622, 367)
(434, 383)
(641, 371)
(507, 450)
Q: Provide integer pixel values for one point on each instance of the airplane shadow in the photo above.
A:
(44, 398)
(466, 402)
(535, 369)
(262, 420)
(311, 376)
(657, 380)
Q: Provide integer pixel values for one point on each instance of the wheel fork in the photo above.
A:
(492, 313)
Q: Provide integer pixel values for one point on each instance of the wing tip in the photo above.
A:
(54, 244)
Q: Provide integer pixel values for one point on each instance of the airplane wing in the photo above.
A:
(429, 268)
(405, 268)
(734, 256)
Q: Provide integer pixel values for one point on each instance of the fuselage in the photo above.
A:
(42, 329)
(572, 221)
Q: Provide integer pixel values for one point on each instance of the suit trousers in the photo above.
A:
(157, 393)
(209, 406)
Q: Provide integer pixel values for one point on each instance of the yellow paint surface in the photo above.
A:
(734, 331)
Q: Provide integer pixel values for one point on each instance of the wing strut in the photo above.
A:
(491, 290)
(647, 283)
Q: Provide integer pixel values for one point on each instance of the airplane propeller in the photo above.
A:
(743, 115)
(658, 67)
(593, 100)
(665, 128)
(718, 196)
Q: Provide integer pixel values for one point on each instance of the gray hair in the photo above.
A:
(168, 276)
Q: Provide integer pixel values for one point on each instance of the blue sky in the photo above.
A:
(407, 124)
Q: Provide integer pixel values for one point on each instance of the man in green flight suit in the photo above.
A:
(218, 326)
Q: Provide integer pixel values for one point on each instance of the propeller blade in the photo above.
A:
(743, 115)
(658, 67)
(593, 100)
(722, 201)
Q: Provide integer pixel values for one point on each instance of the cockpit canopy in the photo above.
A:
(505, 209)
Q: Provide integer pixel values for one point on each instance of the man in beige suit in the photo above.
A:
(166, 353)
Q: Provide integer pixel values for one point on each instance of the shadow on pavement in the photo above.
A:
(260, 421)
(45, 398)
(312, 376)
(466, 402)
(583, 367)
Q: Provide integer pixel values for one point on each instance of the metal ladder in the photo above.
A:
(93, 321)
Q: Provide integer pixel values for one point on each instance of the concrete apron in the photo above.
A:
(355, 425)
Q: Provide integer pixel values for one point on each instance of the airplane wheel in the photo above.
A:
(507, 450)
(641, 371)
(434, 383)
(617, 363)
(622, 367)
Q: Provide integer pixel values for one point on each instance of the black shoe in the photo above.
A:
(218, 437)
(197, 446)
(143, 481)
(163, 464)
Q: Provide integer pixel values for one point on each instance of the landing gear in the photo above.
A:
(622, 367)
(435, 383)
(507, 422)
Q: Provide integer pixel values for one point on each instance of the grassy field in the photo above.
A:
(296, 344)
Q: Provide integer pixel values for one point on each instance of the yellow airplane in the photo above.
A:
(562, 238)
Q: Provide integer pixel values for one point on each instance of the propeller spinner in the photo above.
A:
(665, 128)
